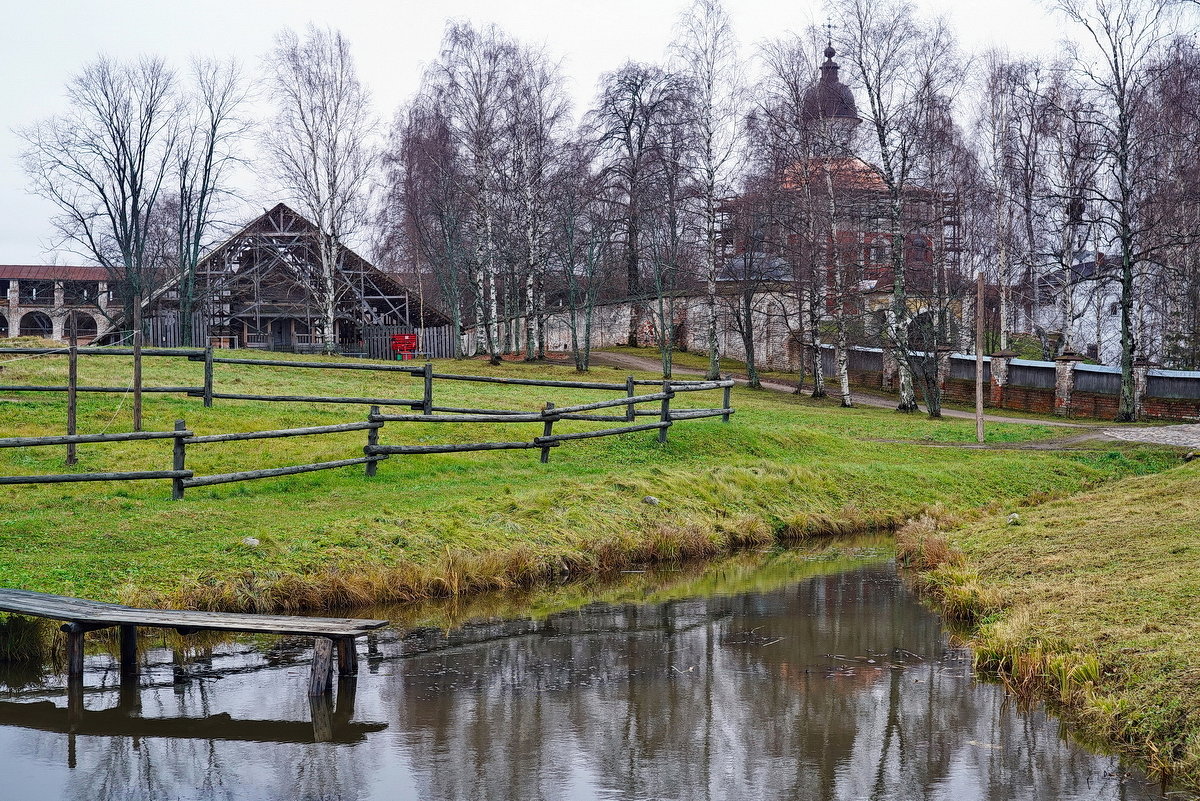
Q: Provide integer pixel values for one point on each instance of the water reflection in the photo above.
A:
(836, 686)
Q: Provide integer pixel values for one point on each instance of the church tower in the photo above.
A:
(828, 111)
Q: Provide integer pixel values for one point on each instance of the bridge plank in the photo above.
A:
(96, 613)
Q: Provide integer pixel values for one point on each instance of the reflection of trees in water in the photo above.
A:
(742, 697)
(838, 687)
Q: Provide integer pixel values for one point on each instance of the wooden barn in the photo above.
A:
(261, 289)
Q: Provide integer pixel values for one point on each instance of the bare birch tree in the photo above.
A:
(581, 238)
(470, 82)
(995, 130)
(706, 52)
(883, 43)
(537, 110)
(319, 147)
(1124, 36)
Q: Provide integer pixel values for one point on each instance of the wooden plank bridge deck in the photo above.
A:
(81, 616)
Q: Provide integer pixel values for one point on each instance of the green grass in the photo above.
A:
(428, 525)
(1094, 601)
(699, 361)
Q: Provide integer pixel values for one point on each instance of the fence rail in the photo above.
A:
(182, 437)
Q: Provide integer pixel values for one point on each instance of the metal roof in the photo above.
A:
(52, 272)
(828, 98)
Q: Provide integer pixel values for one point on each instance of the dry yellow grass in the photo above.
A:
(1093, 601)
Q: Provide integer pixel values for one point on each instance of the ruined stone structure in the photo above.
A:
(44, 300)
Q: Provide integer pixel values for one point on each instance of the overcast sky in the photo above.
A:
(44, 42)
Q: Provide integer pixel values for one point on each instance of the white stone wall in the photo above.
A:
(775, 317)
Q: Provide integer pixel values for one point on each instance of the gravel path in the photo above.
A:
(1183, 436)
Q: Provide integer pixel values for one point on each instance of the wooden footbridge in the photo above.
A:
(82, 616)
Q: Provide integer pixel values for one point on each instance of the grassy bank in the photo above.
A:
(786, 467)
(1094, 603)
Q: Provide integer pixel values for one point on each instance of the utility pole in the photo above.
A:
(979, 357)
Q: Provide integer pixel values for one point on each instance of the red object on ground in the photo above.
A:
(404, 346)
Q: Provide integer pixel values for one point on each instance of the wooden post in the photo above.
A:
(322, 717)
(179, 462)
(208, 377)
(347, 689)
(347, 657)
(372, 439)
(321, 680)
(665, 414)
(129, 695)
(725, 399)
(547, 430)
(137, 364)
(630, 412)
(428, 398)
(74, 713)
(129, 663)
(979, 357)
(72, 384)
(74, 633)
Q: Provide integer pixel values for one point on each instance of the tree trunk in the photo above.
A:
(710, 287)
(748, 339)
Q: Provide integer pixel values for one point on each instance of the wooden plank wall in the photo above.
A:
(437, 341)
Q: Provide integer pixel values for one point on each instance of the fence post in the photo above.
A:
(72, 383)
(665, 414)
(137, 364)
(1141, 379)
(725, 399)
(372, 440)
(1064, 382)
(427, 407)
(208, 377)
(180, 460)
(547, 430)
(630, 412)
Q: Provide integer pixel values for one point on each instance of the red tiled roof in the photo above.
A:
(53, 272)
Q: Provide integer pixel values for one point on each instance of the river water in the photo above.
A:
(780, 676)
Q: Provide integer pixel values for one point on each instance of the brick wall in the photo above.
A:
(958, 390)
(1028, 399)
(1171, 408)
(1092, 404)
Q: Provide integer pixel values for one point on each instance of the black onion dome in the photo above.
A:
(828, 98)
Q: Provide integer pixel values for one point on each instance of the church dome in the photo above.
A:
(828, 97)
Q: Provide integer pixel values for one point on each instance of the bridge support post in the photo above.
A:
(129, 661)
(322, 717)
(347, 657)
(74, 633)
(321, 680)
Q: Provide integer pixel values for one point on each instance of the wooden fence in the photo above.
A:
(424, 408)
(434, 342)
